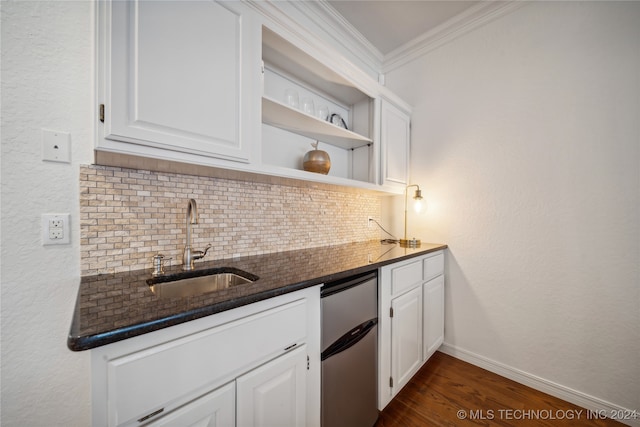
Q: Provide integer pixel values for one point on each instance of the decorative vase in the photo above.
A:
(317, 161)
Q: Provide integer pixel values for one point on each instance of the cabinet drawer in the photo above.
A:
(170, 374)
(405, 277)
(433, 266)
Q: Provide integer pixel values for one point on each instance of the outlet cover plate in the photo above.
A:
(56, 146)
(55, 229)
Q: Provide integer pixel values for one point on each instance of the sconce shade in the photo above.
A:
(417, 205)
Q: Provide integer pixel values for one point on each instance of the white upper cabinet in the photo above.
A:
(395, 138)
(207, 82)
(178, 75)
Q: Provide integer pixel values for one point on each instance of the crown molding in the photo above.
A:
(474, 17)
(342, 32)
(334, 27)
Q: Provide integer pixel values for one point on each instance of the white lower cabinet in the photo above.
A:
(411, 320)
(269, 395)
(406, 336)
(266, 396)
(214, 409)
(433, 303)
(257, 365)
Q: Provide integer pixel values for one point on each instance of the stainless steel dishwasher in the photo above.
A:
(349, 351)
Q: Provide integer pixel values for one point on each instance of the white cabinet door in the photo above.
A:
(178, 75)
(433, 294)
(274, 395)
(395, 141)
(135, 389)
(214, 409)
(406, 337)
(412, 291)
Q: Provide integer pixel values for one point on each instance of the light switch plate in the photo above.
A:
(56, 146)
(55, 229)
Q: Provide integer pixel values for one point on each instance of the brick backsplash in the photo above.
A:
(128, 215)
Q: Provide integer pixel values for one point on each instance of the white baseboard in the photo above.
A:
(565, 393)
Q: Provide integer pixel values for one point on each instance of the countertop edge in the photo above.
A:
(81, 343)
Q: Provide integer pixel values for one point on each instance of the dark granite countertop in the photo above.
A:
(114, 307)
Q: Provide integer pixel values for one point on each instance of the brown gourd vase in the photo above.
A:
(317, 161)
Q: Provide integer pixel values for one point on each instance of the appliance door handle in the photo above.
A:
(349, 339)
(342, 285)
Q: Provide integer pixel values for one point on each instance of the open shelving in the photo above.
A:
(277, 114)
(353, 150)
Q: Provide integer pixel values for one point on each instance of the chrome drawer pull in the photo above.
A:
(146, 417)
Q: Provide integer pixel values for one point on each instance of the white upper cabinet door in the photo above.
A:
(275, 393)
(395, 138)
(179, 75)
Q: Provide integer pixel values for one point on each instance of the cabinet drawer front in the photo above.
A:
(405, 277)
(433, 266)
(173, 373)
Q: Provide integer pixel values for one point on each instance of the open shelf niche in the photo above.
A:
(287, 131)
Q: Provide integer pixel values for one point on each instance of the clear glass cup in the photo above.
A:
(323, 113)
(308, 106)
(291, 98)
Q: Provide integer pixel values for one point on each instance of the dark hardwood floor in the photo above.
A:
(450, 392)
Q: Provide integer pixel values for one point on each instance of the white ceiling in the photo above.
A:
(389, 24)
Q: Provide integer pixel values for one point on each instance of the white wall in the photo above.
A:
(526, 140)
(46, 83)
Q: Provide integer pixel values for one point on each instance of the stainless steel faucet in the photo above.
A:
(189, 256)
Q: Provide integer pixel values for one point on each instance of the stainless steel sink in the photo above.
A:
(198, 282)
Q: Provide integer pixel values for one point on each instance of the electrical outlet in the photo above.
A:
(370, 221)
(55, 229)
(56, 233)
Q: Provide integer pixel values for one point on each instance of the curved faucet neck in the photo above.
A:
(192, 218)
(188, 256)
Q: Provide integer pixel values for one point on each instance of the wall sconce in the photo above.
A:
(413, 242)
